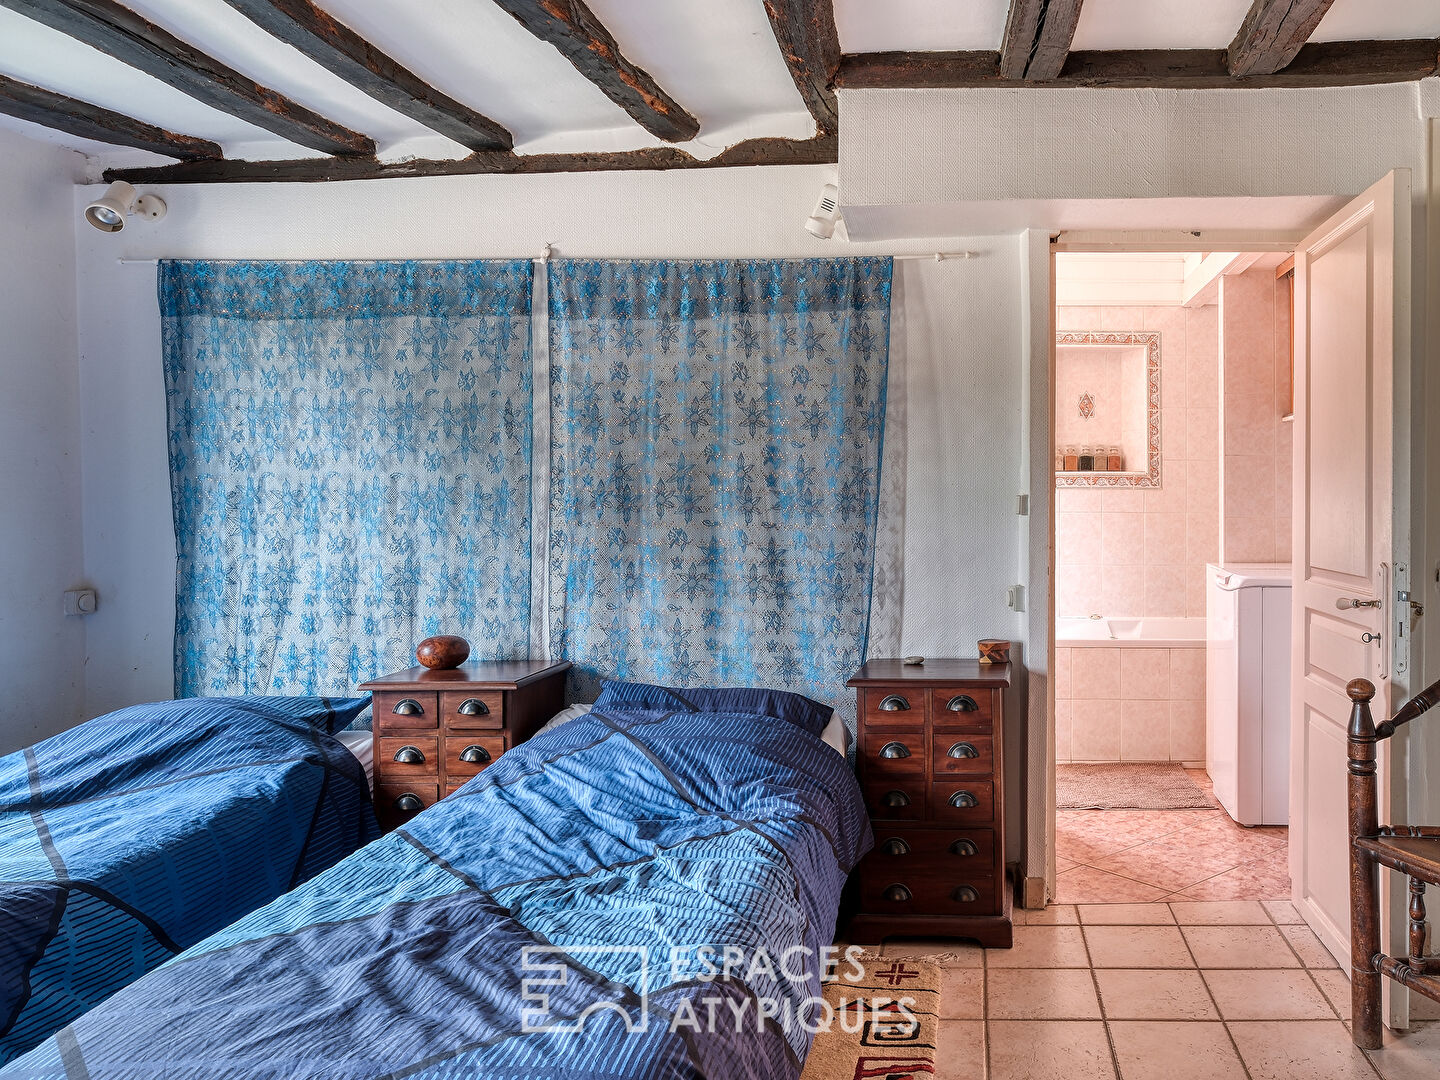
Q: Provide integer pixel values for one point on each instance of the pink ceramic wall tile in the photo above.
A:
(1164, 538)
(1144, 730)
(1202, 486)
(1115, 317)
(1249, 484)
(1187, 674)
(1169, 497)
(1250, 424)
(1165, 591)
(1203, 433)
(1062, 673)
(1095, 673)
(1202, 357)
(1122, 539)
(1202, 537)
(1095, 729)
(1187, 731)
(1077, 318)
(1122, 500)
(1077, 538)
(1145, 674)
(1122, 591)
(1195, 592)
(1077, 590)
(1247, 312)
(1249, 539)
(1078, 500)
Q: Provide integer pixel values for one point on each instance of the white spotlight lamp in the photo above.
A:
(108, 213)
(823, 218)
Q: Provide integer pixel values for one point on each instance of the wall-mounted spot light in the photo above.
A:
(108, 213)
(826, 214)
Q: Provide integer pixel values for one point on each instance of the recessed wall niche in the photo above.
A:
(1107, 402)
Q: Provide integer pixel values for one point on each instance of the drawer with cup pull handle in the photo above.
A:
(405, 711)
(927, 895)
(473, 709)
(398, 802)
(934, 850)
(406, 755)
(895, 707)
(963, 754)
(968, 802)
(887, 752)
(900, 798)
(962, 707)
(466, 755)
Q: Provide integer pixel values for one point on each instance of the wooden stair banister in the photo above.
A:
(1413, 850)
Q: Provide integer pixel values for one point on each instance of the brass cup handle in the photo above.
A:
(475, 755)
(895, 846)
(964, 895)
(896, 799)
(410, 755)
(897, 894)
(894, 703)
(408, 707)
(409, 802)
(962, 703)
(892, 750)
(964, 847)
(473, 707)
(963, 800)
(962, 750)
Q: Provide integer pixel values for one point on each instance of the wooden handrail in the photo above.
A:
(1362, 691)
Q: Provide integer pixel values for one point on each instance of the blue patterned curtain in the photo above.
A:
(716, 437)
(350, 467)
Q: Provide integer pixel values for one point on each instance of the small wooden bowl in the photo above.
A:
(443, 652)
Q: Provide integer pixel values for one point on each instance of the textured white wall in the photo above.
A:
(42, 653)
(966, 430)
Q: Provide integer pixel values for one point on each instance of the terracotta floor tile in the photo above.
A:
(1154, 994)
(1041, 947)
(1137, 947)
(1156, 1050)
(1153, 914)
(1054, 915)
(962, 993)
(1172, 863)
(1308, 947)
(1220, 913)
(1267, 995)
(1050, 1050)
(1260, 880)
(1299, 1050)
(948, 951)
(1041, 994)
(1413, 1055)
(1086, 885)
(1239, 947)
(1336, 988)
(960, 1050)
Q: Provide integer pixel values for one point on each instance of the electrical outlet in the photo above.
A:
(81, 602)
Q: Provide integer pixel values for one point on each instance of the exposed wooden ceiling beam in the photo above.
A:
(1331, 63)
(573, 29)
(1037, 38)
(805, 31)
(819, 150)
(121, 33)
(1272, 33)
(336, 47)
(89, 121)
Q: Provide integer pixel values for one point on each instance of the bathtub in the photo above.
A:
(1076, 632)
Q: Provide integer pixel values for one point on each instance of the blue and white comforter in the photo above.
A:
(566, 914)
(133, 836)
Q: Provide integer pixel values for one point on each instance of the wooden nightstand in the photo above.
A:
(434, 730)
(930, 759)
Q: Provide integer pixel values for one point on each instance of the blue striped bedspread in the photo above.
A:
(633, 894)
(131, 837)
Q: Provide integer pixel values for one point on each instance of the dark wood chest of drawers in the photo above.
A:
(434, 730)
(930, 760)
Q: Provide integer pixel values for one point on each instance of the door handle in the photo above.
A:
(1345, 603)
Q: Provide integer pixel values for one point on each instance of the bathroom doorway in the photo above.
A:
(1172, 463)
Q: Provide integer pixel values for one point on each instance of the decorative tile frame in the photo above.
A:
(1150, 477)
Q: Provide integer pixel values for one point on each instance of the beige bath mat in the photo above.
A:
(1138, 786)
(882, 1024)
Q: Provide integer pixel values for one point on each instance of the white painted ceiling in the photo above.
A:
(718, 58)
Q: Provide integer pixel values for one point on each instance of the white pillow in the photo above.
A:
(574, 712)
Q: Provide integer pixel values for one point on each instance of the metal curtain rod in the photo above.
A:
(548, 254)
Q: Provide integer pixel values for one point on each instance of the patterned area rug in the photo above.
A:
(883, 1021)
(1139, 786)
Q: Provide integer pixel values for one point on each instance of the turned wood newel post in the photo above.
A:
(1364, 879)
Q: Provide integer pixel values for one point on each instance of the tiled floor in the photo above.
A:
(1178, 991)
(1138, 856)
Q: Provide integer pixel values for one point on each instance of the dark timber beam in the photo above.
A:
(119, 32)
(1037, 38)
(88, 121)
(573, 29)
(805, 32)
(822, 150)
(1331, 63)
(1273, 33)
(337, 48)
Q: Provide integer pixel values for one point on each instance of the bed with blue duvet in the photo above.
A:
(135, 835)
(642, 892)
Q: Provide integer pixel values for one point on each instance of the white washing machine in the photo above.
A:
(1247, 690)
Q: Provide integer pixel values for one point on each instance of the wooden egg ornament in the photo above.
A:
(443, 652)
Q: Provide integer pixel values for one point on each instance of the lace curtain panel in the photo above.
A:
(350, 453)
(716, 441)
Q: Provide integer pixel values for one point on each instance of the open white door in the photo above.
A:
(1352, 342)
